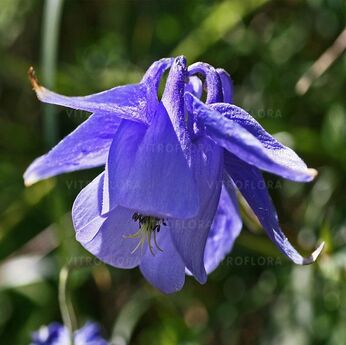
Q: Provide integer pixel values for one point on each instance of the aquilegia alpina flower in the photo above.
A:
(57, 334)
(166, 200)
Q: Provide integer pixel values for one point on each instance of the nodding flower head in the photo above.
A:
(172, 164)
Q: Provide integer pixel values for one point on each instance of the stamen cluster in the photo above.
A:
(148, 226)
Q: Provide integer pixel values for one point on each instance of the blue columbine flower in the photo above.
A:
(57, 334)
(166, 201)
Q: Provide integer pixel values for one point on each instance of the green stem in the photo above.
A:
(129, 317)
(66, 308)
(67, 311)
(50, 36)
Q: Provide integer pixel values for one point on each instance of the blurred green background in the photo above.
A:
(256, 296)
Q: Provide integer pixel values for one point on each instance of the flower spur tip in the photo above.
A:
(33, 79)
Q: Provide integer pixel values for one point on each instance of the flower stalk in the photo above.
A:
(50, 38)
(66, 307)
(67, 310)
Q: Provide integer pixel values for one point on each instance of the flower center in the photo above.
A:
(148, 227)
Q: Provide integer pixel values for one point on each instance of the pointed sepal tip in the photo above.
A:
(313, 257)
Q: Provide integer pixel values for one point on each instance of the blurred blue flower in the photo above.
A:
(166, 201)
(57, 334)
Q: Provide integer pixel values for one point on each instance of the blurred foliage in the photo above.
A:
(255, 296)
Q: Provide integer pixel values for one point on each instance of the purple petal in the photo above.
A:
(190, 235)
(250, 182)
(281, 155)
(165, 270)
(105, 236)
(227, 85)
(86, 147)
(173, 100)
(89, 334)
(155, 72)
(111, 243)
(86, 210)
(134, 102)
(194, 86)
(213, 82)
(54, 333)
(57, 334)
(128, 102)
(121, 159)
(159, 181)
(224, 230)
(251, 143)
(152, 79)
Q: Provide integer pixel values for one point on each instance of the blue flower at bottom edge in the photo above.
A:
(166, 201)
(57, 334)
